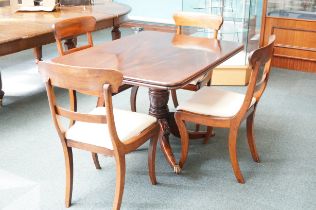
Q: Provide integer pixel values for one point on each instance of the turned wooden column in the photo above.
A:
(159, 109)
(116, 33)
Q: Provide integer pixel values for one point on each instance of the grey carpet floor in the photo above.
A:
(32, 174)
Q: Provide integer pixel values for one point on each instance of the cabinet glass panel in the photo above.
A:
(298, 9)
(242, 22)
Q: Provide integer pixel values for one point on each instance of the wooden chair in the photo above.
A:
(198, 20)
(195, 20)
(214, 107)
(104, 130)
(70, 29)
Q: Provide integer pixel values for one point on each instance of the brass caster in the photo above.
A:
(177, 169)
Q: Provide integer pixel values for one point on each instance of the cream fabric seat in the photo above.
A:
(128, 124)
(214, 102)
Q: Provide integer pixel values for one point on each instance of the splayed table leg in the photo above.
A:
(159, 109)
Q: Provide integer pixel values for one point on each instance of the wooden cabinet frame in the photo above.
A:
(295, 46)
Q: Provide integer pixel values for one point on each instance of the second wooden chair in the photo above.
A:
(227, 109)
(69, 30)
(104, 130)
(196, 20)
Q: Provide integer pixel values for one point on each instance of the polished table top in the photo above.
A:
(156, 59)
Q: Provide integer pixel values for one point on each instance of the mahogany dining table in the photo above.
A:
(160, 61)
(25, 30)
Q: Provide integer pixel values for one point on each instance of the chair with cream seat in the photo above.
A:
(69, 30)
(196, 20)
(104, 130)
(214, 107)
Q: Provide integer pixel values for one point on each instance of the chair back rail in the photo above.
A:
(79, 116)
(198, 20)
(87, 80)
(260, 58)
(77, 48)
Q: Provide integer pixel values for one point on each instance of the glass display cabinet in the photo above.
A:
(242, 23)
(293, 22)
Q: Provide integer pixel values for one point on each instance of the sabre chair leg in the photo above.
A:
(152, 158)
(251, 138)
(69, 175)
(208, 135)
(100, 102)
(96, 160)
(184, 140)
(174, 98)
(120, 181)
(233, 132)
(134, 91)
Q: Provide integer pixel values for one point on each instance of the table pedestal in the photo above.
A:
(159, 109)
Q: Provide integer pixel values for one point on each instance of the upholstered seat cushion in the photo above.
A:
(214, 102)
(128, 124)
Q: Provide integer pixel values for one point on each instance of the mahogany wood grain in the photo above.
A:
(257, 84)
(151, 59)
(102, 83)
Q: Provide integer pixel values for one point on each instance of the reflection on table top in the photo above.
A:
(156, 59)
